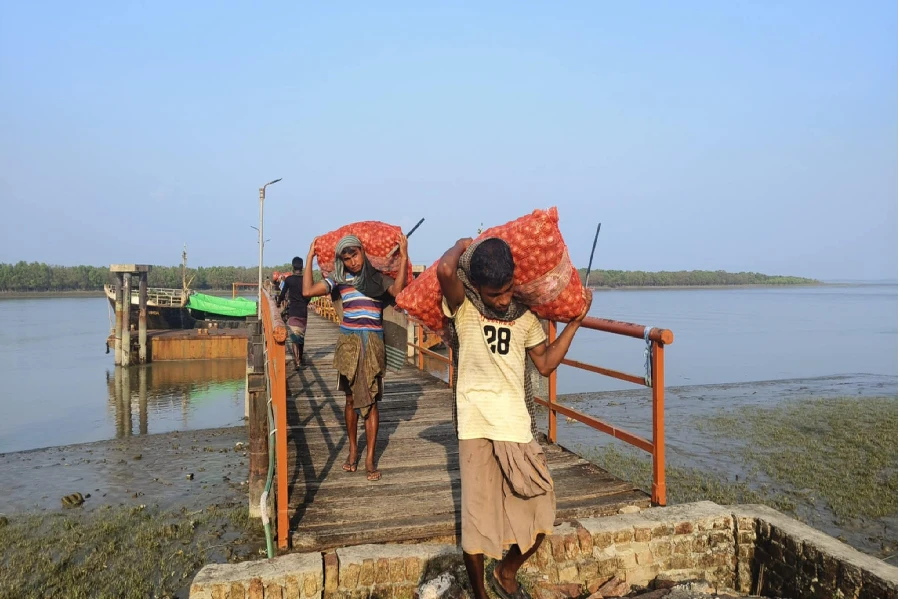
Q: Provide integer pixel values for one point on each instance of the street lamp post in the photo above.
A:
(262, 198)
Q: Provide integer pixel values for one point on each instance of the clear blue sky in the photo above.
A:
(735, 135)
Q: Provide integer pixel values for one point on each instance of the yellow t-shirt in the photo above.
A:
(490, 386)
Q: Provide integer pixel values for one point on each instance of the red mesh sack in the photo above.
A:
(378, 240)
(422, 299)
(544, 279)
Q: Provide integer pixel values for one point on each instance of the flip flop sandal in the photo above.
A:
(373, 475)
(349, 466)
(519, 593)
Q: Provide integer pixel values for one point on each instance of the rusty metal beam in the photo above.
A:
(600, 425)
(622, 376)
(427, 352)
(628, 329)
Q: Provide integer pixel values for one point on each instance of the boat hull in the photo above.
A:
(161, 317)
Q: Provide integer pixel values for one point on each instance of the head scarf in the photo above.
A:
(369, 281)
(515, 310)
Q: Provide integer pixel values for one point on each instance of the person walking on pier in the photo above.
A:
(297, 309)
(359, 354)
(508, 499)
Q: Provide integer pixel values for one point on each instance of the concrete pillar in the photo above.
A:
(126, 320)
(117, 403)
(142, 399)
(142, 320)
(118, 353)
(126, 401)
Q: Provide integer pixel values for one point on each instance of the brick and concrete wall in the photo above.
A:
(385, 570)
(782, 557)
(750, 548)
(692, 541)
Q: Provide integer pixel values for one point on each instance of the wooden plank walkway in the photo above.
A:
(417, 498)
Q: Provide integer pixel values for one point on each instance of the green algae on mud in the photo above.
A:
(147, 525)
(120, 551)
(841, 452)
(831, 463)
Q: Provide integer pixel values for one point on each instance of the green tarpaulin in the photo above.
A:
(223, 306)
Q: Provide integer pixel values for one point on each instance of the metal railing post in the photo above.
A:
(551, 388)
(450, 366)
(420, 343)
(658, 488)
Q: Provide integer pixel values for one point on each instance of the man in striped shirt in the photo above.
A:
(359, 354)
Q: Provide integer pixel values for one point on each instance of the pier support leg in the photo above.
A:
(126, 321)
(118, 353)
(259, 449)
(117, 403)
(258, 421)
(142, 400)
(142, 320)
(126, 403)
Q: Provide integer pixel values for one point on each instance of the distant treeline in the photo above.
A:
(687, 278)
(37, 276)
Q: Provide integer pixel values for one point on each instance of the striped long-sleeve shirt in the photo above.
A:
(361, 312)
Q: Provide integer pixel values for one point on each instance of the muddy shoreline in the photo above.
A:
(726, 442)
(156, 509)
(147, 469)
(181, 497)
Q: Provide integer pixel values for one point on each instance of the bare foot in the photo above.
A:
(505, 579)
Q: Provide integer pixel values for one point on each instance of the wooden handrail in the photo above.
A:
(274, 334)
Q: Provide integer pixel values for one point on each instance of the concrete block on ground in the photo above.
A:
(298, 575)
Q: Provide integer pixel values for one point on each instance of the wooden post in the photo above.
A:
(142, 400)
(142, 319)
(658, 488)
(259, 446)
(551, 388)
(118, 354)
(126, 320)
(257, 416)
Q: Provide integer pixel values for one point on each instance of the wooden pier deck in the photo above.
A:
(417, 498)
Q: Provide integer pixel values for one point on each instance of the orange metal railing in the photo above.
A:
(324, 308)
(274, 334)
(421, 349)
(656, 339)
(235, 286)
